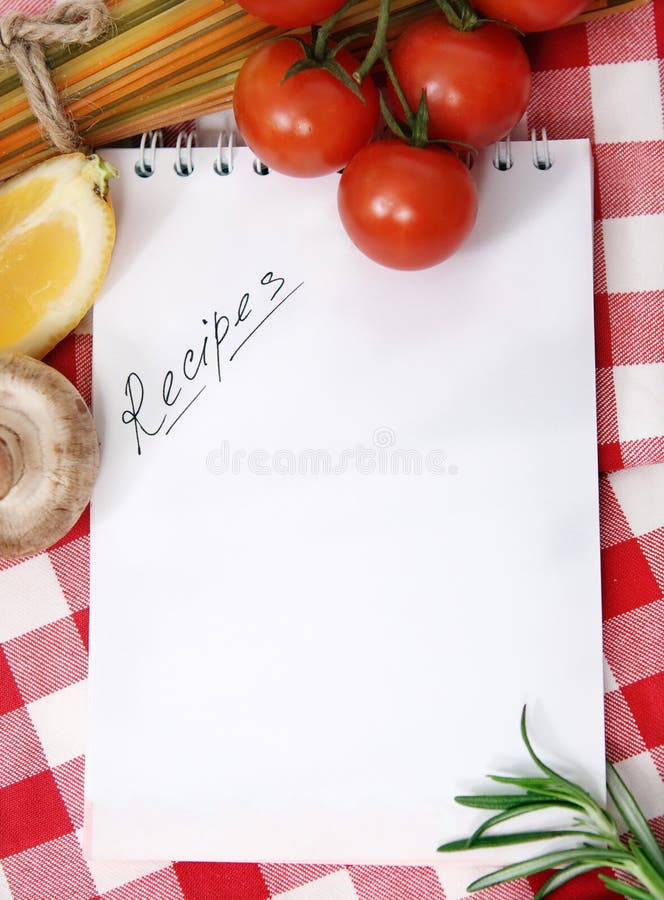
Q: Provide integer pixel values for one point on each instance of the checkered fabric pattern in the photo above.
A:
(601, 80)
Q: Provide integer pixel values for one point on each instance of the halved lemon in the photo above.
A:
(57, 231)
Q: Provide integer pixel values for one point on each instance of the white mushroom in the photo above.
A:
(49, 455)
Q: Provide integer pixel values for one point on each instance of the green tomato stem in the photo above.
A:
(459, 13)
(377, 49)
(314, 34)
(450, 13)
(323, 36)
(398, 90)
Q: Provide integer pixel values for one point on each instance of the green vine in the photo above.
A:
(459, 14)
(320, 52)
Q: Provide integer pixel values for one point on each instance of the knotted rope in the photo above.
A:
(23, 42)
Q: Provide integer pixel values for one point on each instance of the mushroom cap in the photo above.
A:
(49, 455)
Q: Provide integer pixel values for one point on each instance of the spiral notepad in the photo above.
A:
(346, 519)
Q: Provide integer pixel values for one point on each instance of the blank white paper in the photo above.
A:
(362, 528)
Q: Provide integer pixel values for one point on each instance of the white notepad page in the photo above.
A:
(366, 530)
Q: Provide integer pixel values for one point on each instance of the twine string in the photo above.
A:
(23, 43)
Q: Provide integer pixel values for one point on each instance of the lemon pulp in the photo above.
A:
(56, 235)
(37, 267)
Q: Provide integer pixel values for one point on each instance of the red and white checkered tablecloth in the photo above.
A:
(601, 80)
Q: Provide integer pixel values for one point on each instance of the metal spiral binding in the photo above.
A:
(184, 167)
(144, 167)
(184, 155)
(502, 158)
(223, 164)
(543, 160)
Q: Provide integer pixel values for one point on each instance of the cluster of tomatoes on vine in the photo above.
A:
(458, 78)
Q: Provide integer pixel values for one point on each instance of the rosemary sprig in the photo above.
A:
(639, 857)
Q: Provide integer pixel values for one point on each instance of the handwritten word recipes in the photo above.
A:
(155, 409)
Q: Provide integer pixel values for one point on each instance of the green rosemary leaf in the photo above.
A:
(541, 784)
(645, 871)
(521, 810)
(626, 890)
(574, 789)
(504, 840)
(535, 758)
(453, 846)
(498, 801)
(586, 855)
(547, 787)
(558, 879)
(634, 819)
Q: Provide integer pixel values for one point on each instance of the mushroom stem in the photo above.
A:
(11, 460)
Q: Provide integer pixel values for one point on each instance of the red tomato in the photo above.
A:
(407, 207)
(533, 15)
(477, 82)
(311, 124)
(291, 13)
